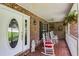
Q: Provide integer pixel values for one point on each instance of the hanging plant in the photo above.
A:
(71, 17)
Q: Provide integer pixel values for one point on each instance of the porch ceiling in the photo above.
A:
(51, 12)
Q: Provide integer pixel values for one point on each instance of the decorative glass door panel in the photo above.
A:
(13, 33)
(25, 32)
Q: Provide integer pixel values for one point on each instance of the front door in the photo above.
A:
(14, 31)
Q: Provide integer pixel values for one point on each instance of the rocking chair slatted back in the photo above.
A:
(48, 45)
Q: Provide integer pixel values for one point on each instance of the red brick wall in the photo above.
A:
(74, 29)
(54, 26)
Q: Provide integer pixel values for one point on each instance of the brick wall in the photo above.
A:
(74, 29)
(58, 28)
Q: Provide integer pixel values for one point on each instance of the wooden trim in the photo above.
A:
(21, 9)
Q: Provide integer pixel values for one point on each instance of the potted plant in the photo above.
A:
(71, 17)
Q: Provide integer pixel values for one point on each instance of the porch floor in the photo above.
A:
(61, 49)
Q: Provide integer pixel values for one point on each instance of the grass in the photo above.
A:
(13, 35)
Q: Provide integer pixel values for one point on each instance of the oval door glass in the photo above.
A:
(13, 33)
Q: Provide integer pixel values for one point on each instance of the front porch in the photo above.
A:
(20, 27)
(61, 49)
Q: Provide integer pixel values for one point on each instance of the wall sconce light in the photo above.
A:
(34, 22)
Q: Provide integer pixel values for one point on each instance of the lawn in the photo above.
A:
(13, 35)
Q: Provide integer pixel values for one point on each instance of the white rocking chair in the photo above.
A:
(54, 37)
(48, 46)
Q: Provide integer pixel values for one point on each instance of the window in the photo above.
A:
(43, 29)
(25, 32)
(13, 33)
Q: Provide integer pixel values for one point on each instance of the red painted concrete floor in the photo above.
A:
(61, 49)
